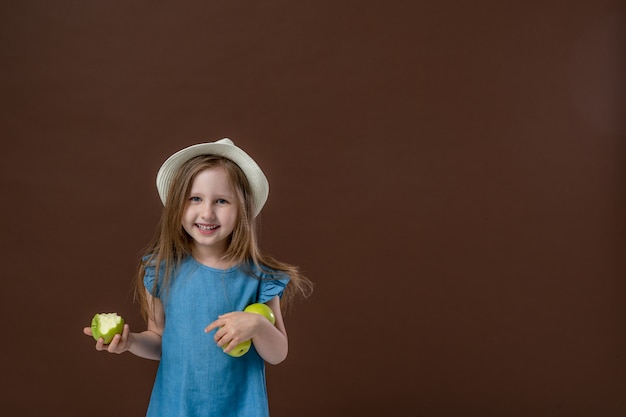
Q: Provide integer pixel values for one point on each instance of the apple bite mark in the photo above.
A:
(106, 326)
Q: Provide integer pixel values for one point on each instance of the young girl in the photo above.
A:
(202, 268)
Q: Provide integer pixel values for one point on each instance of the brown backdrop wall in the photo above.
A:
(450, 174)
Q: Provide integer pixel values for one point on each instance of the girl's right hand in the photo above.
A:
(120, 343)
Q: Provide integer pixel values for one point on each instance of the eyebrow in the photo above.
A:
(219, 195)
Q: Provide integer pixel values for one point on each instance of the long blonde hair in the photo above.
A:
(171, 244)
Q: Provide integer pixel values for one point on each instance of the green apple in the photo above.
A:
(262, 309)
(106, 326)
(256, 308)
(241, 349)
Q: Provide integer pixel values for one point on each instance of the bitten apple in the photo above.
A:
(106, 326)
(256, 308)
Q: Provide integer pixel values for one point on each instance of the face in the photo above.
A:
(210, 214)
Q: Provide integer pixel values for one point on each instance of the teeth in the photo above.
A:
(202, 227)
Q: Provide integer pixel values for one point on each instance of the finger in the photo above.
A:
(125, 332)
(112, 346)
(87, 331)
(227, 344)
(116, 345)
(220, 334)
(216, 324)
(119, 341)
(100, 344)
(122, 341)
(227, 347)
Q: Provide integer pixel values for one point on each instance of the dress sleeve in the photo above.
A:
(271, 288)
(149, 277)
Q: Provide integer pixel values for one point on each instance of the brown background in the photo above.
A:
(450, 174)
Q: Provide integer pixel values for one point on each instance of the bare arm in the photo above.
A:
(269, 340)
(146, 344)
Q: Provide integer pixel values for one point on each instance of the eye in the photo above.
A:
(195, 199)
(221, 201)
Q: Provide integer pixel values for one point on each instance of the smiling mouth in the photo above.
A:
(206, 228)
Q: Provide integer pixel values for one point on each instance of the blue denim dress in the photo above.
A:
(194, 377)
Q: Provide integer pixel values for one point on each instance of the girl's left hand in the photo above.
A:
(235, 327)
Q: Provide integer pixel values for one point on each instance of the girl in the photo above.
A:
(202, 268)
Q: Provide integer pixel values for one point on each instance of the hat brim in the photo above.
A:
(227, 149)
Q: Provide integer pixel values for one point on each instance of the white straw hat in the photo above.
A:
(223, 147)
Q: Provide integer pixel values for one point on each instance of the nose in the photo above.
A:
(207, 210)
